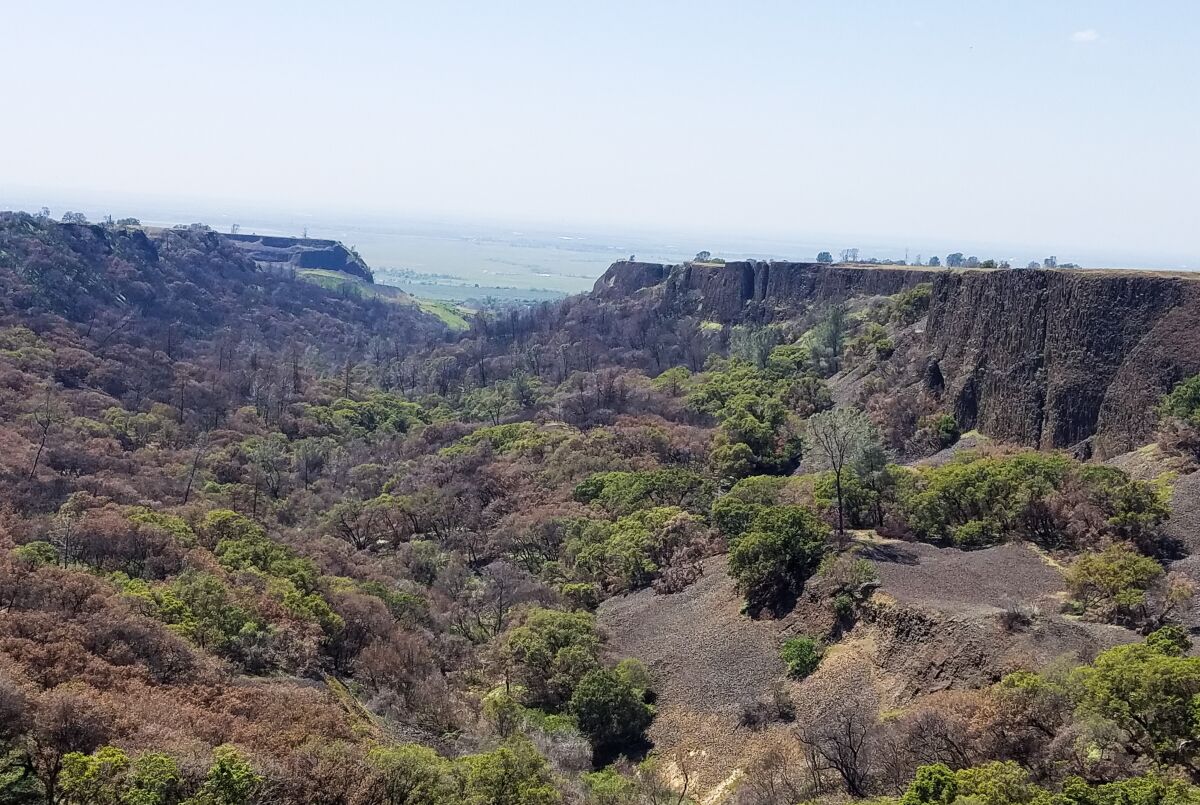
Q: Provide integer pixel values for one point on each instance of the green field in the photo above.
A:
(450, 314)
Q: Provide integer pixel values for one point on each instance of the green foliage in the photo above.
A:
(581, 594)
(225, 524)
(934, 784)
(872, 342)
(549, 652)
(1113, 583)
(1173, 641)
(230, 780)
(753, 405)
(257, 551)
(735, 511)
(975, 501)
(999, 783)
(1149, 690)
(771, 561)
(1148, 789)
(753, 345)
(858, 501)
(610, 710)
(731, 460)
(939, 431)
(380, 412)
(23, 346)
(625, 492)
(827, 340)
(1183, 402)
(176, 526)
(290, 579)
(512, 438)
(37, 552)
(513, 774)
(909, 306)
(629, 553)
(109, 777)
(199, 607)
(801, 655)
(411, 774)
(609, 787)
(674, 381)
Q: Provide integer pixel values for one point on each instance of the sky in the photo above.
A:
(1052, 125)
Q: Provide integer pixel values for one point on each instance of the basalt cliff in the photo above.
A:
(1052, 359)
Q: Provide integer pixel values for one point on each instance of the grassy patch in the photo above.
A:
(451, 315)
(344, 283)
(448, 313)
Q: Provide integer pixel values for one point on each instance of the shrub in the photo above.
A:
(772, 561)
(802, 655)
(1113, 584)
(36, 553)
(549, 652)
(610, 711)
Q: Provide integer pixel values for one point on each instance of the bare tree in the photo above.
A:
(654, 786)
(45, 417)
(842, 741)
(197, 457)
(776, 778)
(838, 438)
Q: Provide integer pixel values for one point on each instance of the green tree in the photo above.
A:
(999, 783)
(1151, 692)
(549, 652)
(410, 774)
(1114, 582)
(773, 559)
(610, 711)
(513, 774)
(933, 785)
(837, 439)
(230, 780)
(1183, 402)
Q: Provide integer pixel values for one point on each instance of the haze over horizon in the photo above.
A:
(1068, 128)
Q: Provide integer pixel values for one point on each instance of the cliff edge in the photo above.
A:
(1051, 359)
(311, 253)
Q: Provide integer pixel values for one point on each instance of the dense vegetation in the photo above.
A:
(262, 541)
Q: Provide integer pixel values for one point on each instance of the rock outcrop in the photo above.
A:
(1060, 358)
(330, 255)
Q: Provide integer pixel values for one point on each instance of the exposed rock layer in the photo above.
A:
(330, 255)
(1044, 358)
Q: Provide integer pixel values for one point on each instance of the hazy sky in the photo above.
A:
(1040, 123)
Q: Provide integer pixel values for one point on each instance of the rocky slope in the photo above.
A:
(1043, 358)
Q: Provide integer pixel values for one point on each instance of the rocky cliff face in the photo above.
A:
(1042, 358)
(751, 290)
(330, 255)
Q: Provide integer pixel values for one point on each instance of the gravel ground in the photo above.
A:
(969, 441)
(683, 637)
(706, 659)
(1184, 526)
(932, 626)
(964, 582)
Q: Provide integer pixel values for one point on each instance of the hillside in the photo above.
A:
(277, 535)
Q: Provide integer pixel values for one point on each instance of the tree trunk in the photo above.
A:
(841, 528)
